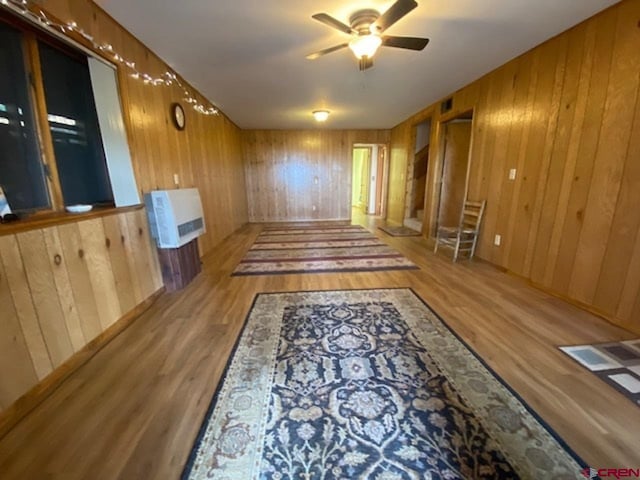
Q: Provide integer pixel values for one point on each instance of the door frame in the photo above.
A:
(384, 147)
(432, 196)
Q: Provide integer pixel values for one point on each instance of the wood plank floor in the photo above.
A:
(133, 411)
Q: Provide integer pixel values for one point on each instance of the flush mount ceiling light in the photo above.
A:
(320, 115)
(366, 28)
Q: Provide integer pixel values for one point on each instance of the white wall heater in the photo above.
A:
(175, 216)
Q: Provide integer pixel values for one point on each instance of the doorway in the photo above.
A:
(417, 176)
(456, 135)
(369, 178)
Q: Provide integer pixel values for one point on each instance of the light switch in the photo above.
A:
(512, 174)
(176, 179)
(497, 240)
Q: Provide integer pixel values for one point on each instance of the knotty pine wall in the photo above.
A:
(288, 172)
(61, 287)
(566, 115)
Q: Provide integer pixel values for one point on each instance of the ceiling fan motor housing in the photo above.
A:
(361, 20)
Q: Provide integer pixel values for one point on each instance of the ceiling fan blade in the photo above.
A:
(409, 43)
(365, 62)
(332, 22)
(313, 56)
(394, 13)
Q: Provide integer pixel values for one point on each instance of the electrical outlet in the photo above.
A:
(313, 208)
(497, 240)
(315, 180)
(176, 179)
(512, 174)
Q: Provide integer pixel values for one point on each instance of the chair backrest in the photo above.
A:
(471, 216)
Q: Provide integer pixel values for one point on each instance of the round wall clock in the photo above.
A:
(177, 115)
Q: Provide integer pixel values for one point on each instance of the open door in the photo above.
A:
(369, 178)
(360, 177)
(455, 168)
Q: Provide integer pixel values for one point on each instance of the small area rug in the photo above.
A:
(400, 231)
(366, 384)
(320, 249)
(617, 363)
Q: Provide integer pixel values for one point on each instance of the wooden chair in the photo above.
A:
(464, 237)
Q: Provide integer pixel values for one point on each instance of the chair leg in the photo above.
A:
(455, 253)
(473, 247)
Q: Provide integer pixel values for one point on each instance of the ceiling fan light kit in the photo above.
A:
(365, 45)
(320, 115)
(366, 28)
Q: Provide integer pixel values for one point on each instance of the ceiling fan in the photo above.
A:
(366, 28)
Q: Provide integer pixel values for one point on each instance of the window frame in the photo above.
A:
(31, 35)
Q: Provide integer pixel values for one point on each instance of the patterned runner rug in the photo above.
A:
(366, 384)
(342, 248)
(400, 231)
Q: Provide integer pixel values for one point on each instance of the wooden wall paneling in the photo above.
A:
(304, 193)
(139, 119)
(302, 196)
(83, 292)
(529, 177)
(267, 208)
(285, 177)
(603, 27)
(569, 220)
(115, 242)
(289, 172)
(129, 243)
(45, 296)
(16, 367)
(630, 290)
(608, 165)
(559, 167)
(140, 260)
(23, 303)
(580, 105)
(481, 169)
(498, 161)
(621, 166)
(253, 175)
(482, 124)
(63, 287)
(100, 272)
(545, 182)
(631, 321)
(239, 189)
(524, 117)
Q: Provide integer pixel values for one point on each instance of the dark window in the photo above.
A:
(46, 84)
(21, 172)
(75, 132)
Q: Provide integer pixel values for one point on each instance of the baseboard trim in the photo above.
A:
(39, 392)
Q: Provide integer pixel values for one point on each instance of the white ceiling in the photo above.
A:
(248, 56)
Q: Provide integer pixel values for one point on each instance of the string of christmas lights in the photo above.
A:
(29, 10)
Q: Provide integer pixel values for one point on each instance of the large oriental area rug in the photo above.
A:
(309, 249)
(366, 384)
